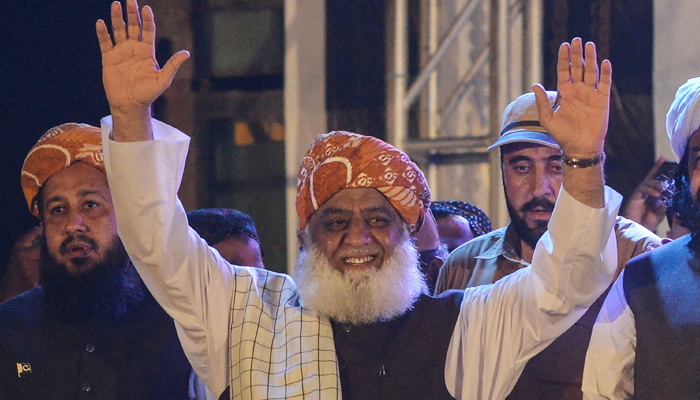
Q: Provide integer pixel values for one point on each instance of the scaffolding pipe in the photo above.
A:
(458, 93)
(424, 76)
(400, 72)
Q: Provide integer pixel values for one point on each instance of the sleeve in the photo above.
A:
(609, 369)
(456, 271)
(189, 280)
(441, 284)
(502, 326)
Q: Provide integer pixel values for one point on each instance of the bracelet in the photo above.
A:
(583, 162)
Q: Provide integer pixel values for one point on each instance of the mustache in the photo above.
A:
(538, 202)
(63, 248)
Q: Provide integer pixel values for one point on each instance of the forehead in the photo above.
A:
(528, 149)
(358, 199)
(74, 179)
(453, 221)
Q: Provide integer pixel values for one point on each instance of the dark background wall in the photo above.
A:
(50, 73)
(623, 32)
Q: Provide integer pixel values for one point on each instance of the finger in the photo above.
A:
(543, 106)
(605, 78)
(133, 19)
(655, 169)
(166, 75)
(563, 67)
(103, 36)
(148, 34)
(118, 25)
(590, 76)
(577, 63)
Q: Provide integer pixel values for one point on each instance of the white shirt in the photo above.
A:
(272, 347)
(609, 369)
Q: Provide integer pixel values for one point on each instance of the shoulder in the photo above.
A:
(650, 264)
(443, 305)
(22, 310)
(478, 245)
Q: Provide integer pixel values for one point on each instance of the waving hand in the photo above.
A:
(580, 121)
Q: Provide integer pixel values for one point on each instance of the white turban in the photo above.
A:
(683, 117)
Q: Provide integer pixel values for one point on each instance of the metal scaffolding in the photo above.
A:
(511, 57)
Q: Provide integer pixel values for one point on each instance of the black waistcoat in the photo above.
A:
(662, 289)
(41, 357)
(556, 373)
(399, 359)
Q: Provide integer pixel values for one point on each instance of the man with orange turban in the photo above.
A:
(91, 328)
(357, 323)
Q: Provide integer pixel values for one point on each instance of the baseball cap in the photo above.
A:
(521, 122)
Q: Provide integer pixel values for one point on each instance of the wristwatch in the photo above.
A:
(583, 162)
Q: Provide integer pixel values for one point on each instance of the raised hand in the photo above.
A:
(646, 205)
(579, 122)
(130, 72)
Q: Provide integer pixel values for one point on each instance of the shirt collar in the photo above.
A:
(508, 246)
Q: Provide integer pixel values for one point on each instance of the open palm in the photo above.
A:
(130, 72)
(579, 120)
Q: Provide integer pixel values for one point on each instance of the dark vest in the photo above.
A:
(662, 289)
(42, 357)
(399, 359)
(556, 373)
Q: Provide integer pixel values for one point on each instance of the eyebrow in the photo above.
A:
(518, 159)
(54, 199)
(84, 193)
(332, 211)
(380, 209)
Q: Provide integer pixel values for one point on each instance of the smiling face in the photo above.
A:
(78, 218)
(356, 229)
(532, 176)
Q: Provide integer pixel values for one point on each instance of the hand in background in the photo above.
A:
(646, 205)
(22, 271)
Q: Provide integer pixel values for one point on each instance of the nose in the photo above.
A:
(358, 233)
(75, 222)
(545, 184)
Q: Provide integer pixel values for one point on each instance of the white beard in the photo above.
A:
(360, 296)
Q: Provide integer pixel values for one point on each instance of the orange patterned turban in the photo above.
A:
(58, 148)
(340, 160)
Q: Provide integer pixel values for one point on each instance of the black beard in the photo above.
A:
(529, 235)
(103, 294)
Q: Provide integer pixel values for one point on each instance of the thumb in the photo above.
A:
(167, 73)
(543, 106)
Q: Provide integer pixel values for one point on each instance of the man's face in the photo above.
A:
(356, 229)
(240, 249)
(454, 230)
(532, 176)
(694, 164)
(78, 218)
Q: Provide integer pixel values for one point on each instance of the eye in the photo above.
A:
(91, 204)
(521, 167)
(378, 222)
(336, 225)
(56, 210)
(556, 166)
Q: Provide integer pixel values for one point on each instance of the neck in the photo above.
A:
(526, 252)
